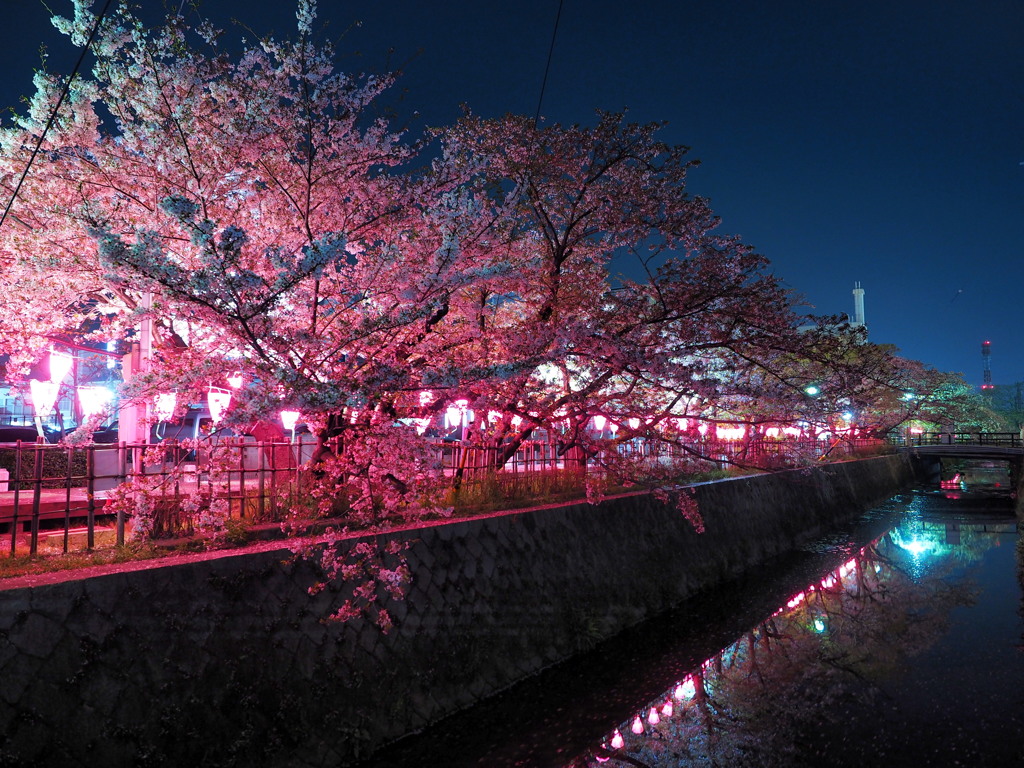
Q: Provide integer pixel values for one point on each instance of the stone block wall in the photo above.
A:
(228, 660)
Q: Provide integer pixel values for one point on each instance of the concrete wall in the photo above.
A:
(227, 661)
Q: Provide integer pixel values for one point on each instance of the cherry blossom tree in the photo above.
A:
(625, 302)
(257, 214)
(247, 206)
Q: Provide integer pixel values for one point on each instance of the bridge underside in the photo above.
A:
(934, 463)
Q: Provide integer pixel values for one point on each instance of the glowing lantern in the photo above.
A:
(60, 366)
(452, 416)
(634, 423)
(652, 716)
(686, 690)
(218, 400)
(617, 740)
(289, 419)
(638, 725)
(493, 416)
(517, 420)
(426, 398)
(667, 709)
(235, 380)
(93, 399)
(613, 427)
(682, 424)
(44, 395)
(164, 404)
(599, 423)
(729, 433)
(703, 429)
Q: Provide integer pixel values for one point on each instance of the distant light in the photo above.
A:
(819, 625)
(812, 390)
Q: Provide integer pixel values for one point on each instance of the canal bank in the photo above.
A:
(229, 659)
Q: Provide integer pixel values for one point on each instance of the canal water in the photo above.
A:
(895, 642)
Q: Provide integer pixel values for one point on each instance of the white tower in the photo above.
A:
(858, 305)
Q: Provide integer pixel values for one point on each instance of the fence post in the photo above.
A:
(37, 494)
(90, 496)
(67, 499)
(17, 494)
(261, 462)
(122, 456)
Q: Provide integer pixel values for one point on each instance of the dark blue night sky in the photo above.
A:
(879, 142)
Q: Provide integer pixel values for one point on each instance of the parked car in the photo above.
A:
(107, 434)
(9, 434)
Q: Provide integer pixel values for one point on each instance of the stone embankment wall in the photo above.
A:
(228, 661)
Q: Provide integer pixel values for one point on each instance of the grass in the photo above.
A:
(31, 565)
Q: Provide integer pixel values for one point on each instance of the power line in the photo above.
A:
(53, 114)
(547, 67)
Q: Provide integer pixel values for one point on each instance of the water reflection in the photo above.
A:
(893, 643)
(805, 684)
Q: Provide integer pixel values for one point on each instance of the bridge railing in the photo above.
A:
(1006, 439)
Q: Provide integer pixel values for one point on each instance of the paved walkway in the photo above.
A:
(53, 502)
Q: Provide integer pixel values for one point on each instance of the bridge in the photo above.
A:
(929, 449)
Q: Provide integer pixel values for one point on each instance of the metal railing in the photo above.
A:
(1007, 439)
(259, 481)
